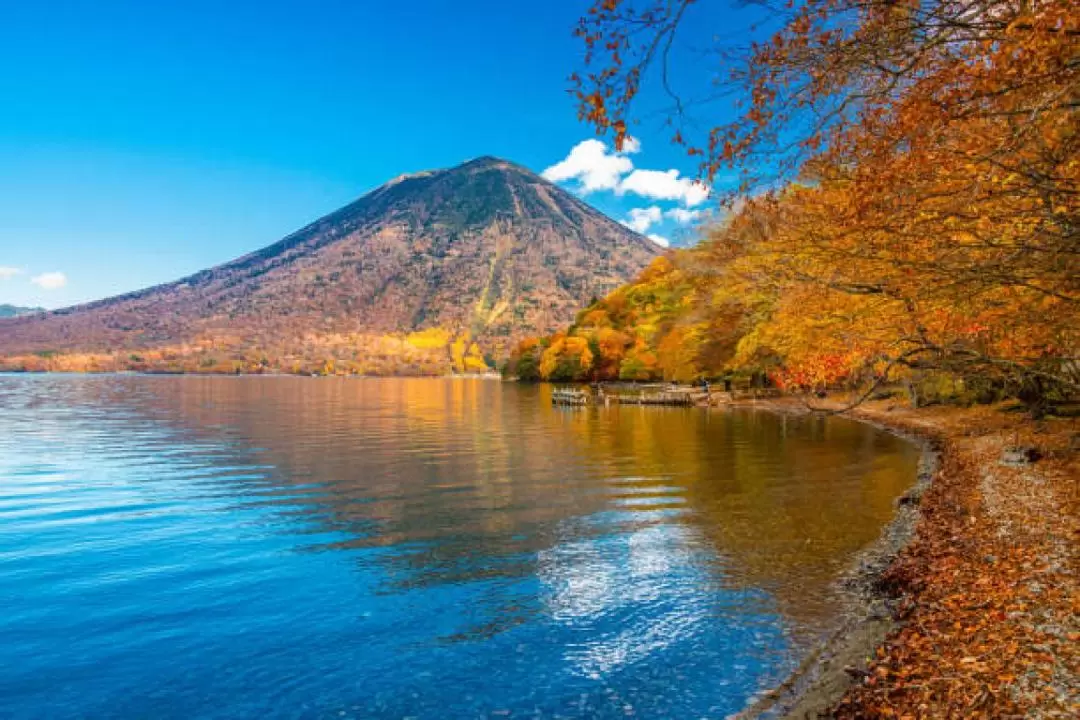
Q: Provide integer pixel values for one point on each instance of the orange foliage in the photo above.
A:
(566, 358)
(934, 224)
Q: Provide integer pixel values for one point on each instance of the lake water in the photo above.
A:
(179, 547)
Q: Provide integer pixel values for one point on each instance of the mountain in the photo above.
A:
(486, 253)
(7, 311)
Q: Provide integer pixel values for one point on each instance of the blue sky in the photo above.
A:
(140, 142)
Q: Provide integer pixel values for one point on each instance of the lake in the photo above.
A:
(232, 547)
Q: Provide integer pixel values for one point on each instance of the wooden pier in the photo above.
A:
(628, 395)
(567, 396)
(656, 397)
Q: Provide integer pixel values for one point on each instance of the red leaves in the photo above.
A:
(816, 372)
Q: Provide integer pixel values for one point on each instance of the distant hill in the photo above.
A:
(8, 311)
(409, 276)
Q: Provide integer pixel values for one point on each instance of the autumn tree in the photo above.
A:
(474, 360)
(934, 145)
(457, 353)
(567, 359)
(524, 360)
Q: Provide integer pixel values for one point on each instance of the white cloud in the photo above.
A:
(594, 166)
(7, 272)
(641, 219)
(683, 216)
(660, 240)
(664, 185)
(591, 164)
(50, 280)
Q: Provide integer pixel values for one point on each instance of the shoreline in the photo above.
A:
(865, 618)
(966, 605)
(317, 376)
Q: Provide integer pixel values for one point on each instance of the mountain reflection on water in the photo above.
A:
(228, 547)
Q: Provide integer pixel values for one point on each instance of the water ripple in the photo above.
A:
(281, 547)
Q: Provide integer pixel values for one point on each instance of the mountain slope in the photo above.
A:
(486, 251)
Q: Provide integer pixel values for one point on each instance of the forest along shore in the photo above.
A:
(984, 602)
